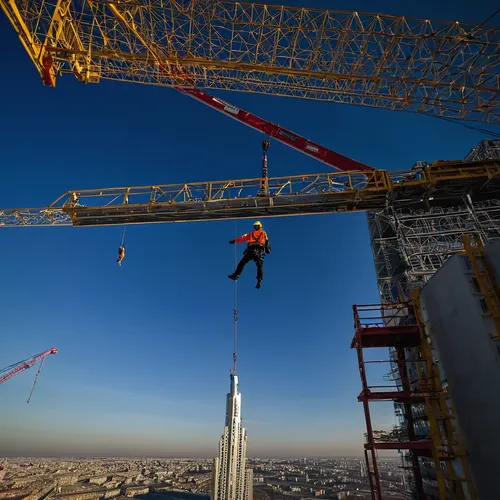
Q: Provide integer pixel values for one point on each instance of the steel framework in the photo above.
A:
(410, 243)
(487, 148)
(427, 433)
(409, 246)
(485, 277)
(442, 68)
(441, 182)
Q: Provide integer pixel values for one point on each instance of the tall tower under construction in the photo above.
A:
(231, 478)
(431, 257)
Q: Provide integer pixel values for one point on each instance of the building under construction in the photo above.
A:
(436, 264)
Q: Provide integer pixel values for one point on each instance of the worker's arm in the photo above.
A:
(241, 239)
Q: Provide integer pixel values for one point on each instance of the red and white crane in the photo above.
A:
(11, 371)
(317, 151)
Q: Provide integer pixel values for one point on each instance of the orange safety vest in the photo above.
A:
(257, 238)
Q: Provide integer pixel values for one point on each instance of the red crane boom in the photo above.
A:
(325, 155)
(12, 370)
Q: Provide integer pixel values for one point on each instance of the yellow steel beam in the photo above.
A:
(165, 60)
(399, 63)
(485, 277)
(54, 36)
(288, 196)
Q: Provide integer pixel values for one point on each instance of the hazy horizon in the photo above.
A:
(188, 457)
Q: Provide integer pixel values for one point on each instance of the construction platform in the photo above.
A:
(425, 433)
(438, 184)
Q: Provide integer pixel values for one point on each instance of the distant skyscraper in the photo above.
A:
(231, 479)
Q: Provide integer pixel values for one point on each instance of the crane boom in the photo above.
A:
(325, 155)
(286, 196)
(13, 370)
(442, 68)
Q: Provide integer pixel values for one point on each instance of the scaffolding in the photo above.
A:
(487, 148)
(435, 453)
(411, 241)
(379, 326)
(410, 245)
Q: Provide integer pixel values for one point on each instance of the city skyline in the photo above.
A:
(144, 348)
(121, 478)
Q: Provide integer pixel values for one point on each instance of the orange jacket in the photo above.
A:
(255, 238)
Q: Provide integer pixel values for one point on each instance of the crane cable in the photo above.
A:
(36, 379)
(235, 309)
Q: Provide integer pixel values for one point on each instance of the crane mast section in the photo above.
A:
(316, 151)
(439, 184)
(442, 68)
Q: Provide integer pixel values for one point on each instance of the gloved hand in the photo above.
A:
(268, 249)
(232, 242)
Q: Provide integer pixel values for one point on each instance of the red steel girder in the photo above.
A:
(312, 149)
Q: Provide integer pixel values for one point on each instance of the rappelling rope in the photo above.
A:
(235, 308)
(123, 236)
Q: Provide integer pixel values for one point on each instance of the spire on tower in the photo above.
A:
(231, 479)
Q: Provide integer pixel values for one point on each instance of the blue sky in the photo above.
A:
(145, 349)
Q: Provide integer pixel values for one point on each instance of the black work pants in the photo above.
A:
(255, 254)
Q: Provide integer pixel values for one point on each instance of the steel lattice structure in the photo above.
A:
(333, 192)
(410, 246)
(487, 148)
(426, 434)
(442, 68)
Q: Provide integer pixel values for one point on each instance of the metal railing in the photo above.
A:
(382, 315)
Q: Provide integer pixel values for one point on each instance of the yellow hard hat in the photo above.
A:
(257, 223)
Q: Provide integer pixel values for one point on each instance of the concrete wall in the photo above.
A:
(471, 361)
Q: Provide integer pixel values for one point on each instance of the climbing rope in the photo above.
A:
(36, 379)
(123, 236)
(235, 308)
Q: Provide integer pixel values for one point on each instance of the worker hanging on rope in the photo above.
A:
(258, 246)
(121, 249)
(121, 255)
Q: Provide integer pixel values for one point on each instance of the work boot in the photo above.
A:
(233, 276)
(258, 283)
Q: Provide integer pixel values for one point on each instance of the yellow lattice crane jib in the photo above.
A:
(441, 68)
